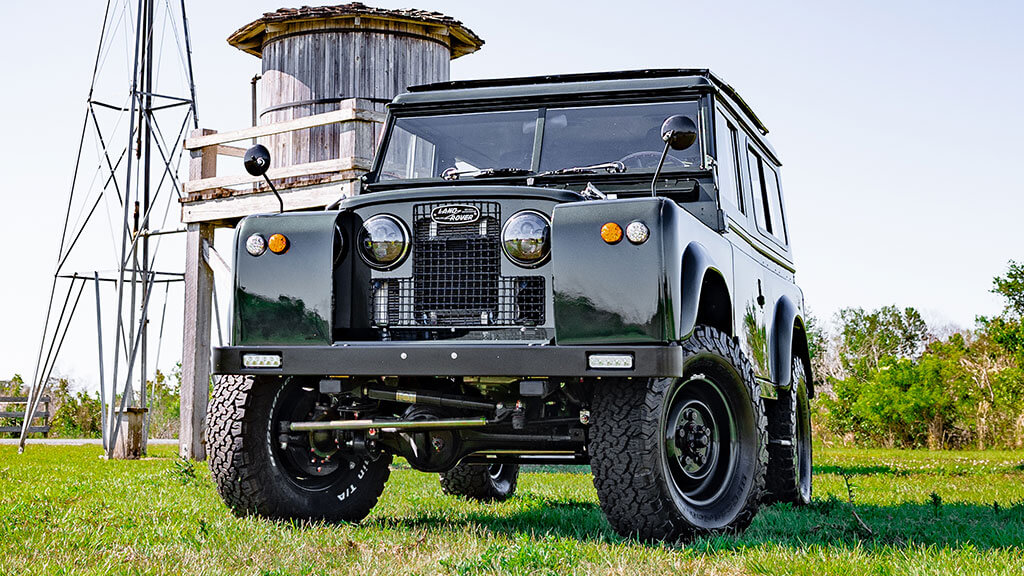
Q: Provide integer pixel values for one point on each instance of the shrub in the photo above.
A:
(75, 414)
(164, 404)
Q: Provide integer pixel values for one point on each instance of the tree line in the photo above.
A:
(887, 379)
(75, 413)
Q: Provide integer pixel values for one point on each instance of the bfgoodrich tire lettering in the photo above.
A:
(656, 478)
(254, 476)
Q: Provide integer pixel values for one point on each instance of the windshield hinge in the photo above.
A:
(590, 192)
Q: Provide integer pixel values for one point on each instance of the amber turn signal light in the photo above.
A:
(610, 232)
(278, 244)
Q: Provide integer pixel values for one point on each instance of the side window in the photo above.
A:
(725, 157)
(771, 187)
(765, 184)
(757, 190)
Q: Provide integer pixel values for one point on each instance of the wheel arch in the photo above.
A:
(789, 337)
(802, 350)
(706, 298)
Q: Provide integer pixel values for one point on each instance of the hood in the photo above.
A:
(455, 193)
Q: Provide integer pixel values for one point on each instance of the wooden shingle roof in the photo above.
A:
(250, 38)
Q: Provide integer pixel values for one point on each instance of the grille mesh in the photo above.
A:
(457, 278)
(519, 302)
(455, 267)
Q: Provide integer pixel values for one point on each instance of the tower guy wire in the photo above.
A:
(133, 167)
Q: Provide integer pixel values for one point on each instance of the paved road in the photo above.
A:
(79, 441)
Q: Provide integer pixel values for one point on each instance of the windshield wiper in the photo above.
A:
(609, 167)
(453, 174)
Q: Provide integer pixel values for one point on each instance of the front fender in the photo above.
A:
(614, 293)
(285, 299)
(625, 293)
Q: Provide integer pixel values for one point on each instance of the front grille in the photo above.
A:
(457, 278)
(519, 301)
(455, 267)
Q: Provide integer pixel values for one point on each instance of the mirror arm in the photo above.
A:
(274, 190)
(661, 163)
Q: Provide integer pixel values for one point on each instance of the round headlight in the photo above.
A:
(383, 241)
(526, 238)
(255, 245)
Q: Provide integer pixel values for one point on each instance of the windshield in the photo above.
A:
(506, 142)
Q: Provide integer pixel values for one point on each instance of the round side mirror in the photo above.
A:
(257, 160)
(679, 132)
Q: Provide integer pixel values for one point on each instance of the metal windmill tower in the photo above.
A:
(130, 176)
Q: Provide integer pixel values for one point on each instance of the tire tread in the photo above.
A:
(240, 463)
(782, 481)
(627, 479)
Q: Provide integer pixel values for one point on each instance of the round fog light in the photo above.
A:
(637, 232)
(255, 245)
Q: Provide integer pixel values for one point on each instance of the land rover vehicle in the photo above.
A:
(588, 268)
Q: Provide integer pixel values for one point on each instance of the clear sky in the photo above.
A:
(898, 124)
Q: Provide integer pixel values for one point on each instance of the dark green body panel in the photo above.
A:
(612, 293)
(285, 299)
(643, 294)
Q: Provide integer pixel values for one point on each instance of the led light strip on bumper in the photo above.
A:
(610, 361)
(261, 360)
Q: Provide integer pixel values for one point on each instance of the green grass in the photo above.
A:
(64, 510)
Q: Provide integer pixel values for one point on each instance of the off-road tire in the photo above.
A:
(487, 483)
(789, 445)
(631, 460)
(249, 470)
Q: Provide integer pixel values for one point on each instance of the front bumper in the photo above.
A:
(443, 359)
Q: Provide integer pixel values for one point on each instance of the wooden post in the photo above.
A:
(130, 441)
(195, 352)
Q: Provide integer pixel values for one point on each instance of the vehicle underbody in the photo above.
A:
(434, 429)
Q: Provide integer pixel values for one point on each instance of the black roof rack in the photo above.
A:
(594, 77)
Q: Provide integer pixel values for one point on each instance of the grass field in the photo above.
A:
(64, 510)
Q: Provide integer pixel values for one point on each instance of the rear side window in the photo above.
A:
(725, 157)
(771, 191)
(764, 182)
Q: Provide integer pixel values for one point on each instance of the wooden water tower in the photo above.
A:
(328, 74)
(316, 58)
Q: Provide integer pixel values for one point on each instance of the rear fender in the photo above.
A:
(788, 340)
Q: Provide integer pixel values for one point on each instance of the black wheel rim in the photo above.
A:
(495, 471)
(310, 461)
(700, 437)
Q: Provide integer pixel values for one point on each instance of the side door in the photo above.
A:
(777, 258)
(735, 199)
(771, 247)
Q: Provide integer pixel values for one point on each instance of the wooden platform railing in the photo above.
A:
(7, 413)
(301, 185)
